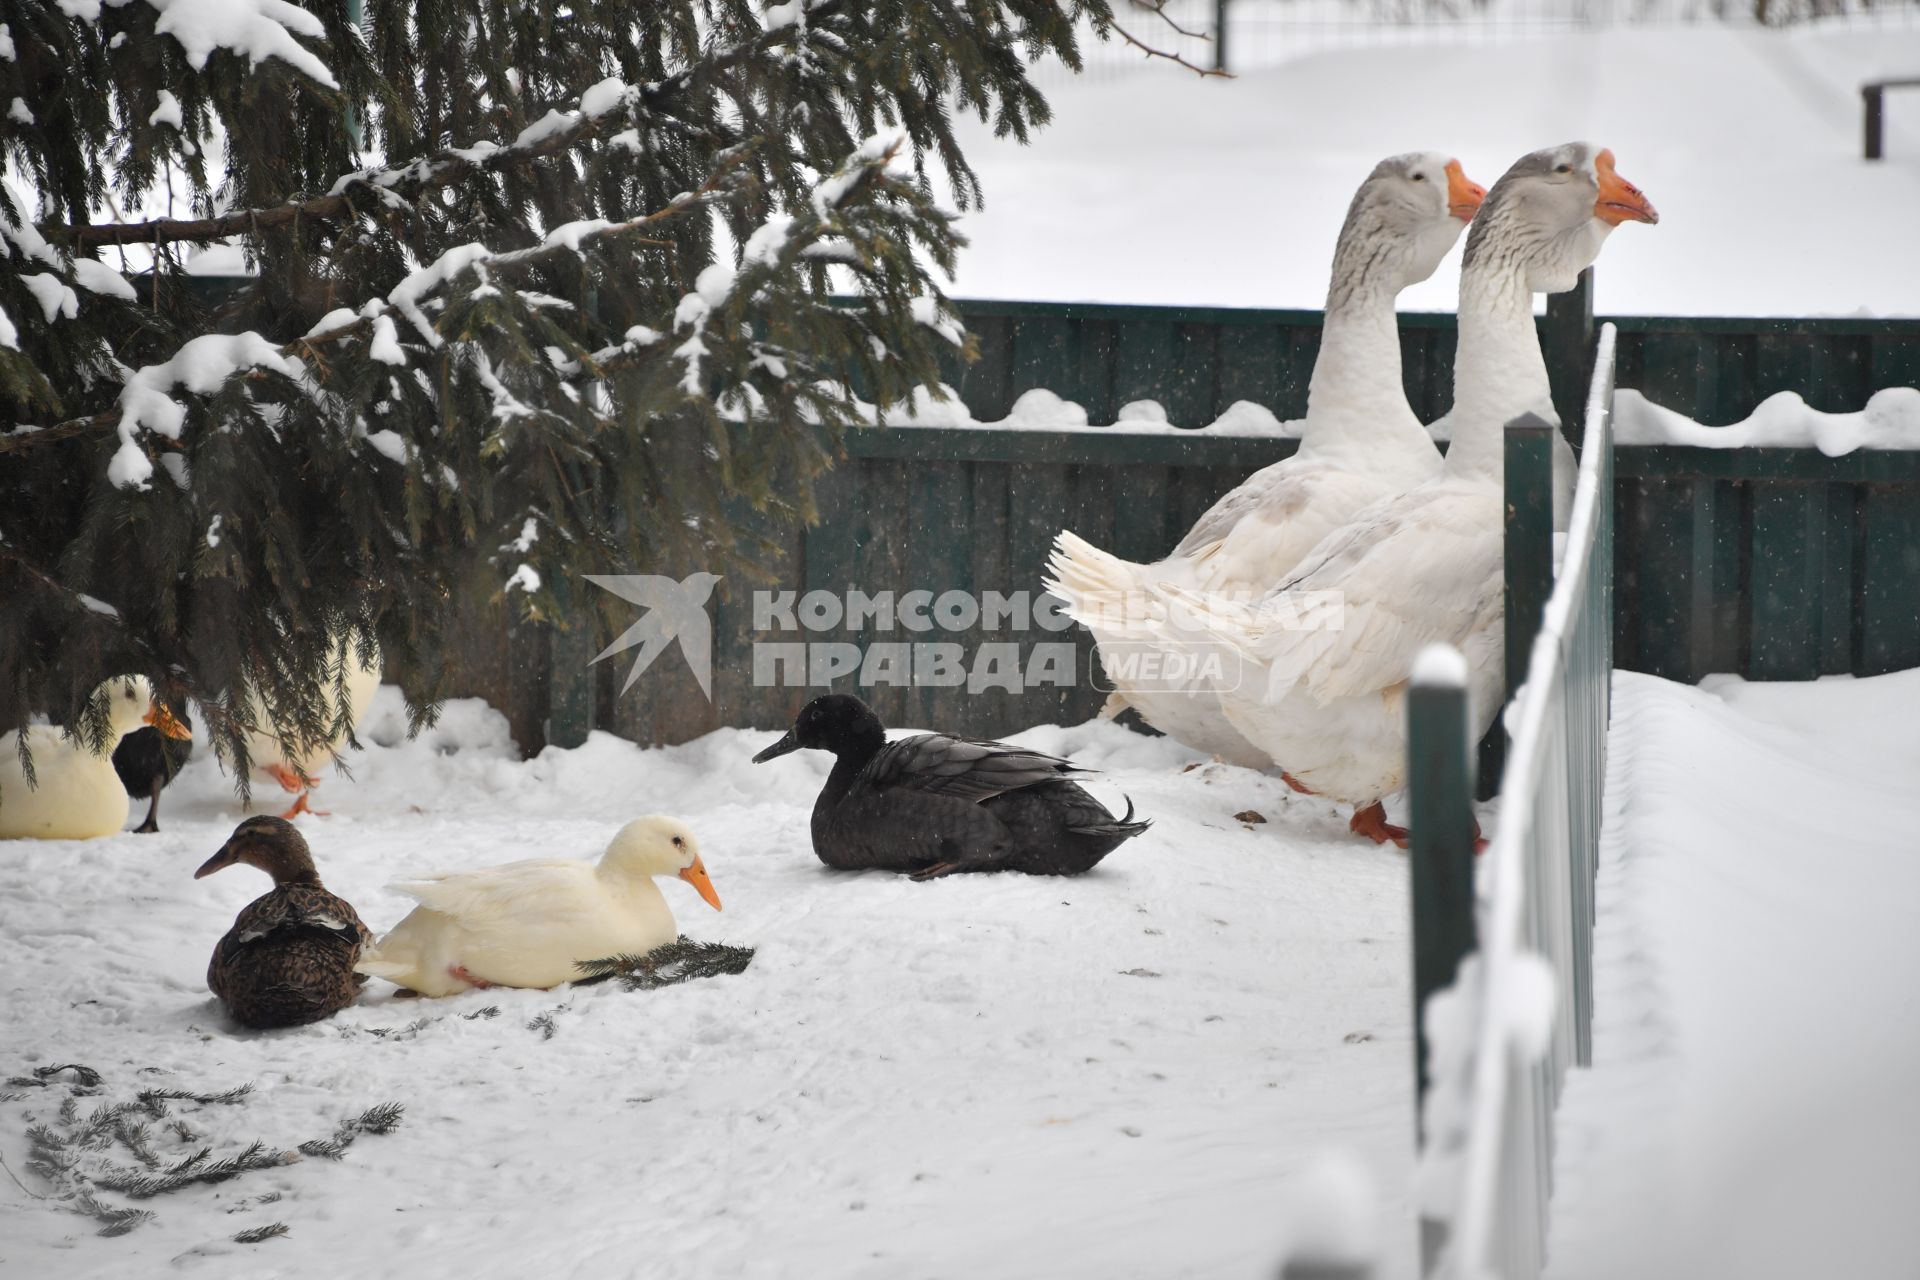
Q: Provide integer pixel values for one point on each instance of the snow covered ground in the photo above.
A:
(1751, 1109)
(1129, 1074)
(1159, 187)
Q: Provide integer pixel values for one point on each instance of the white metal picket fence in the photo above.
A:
(1534, 924)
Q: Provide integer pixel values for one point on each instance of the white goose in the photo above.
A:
(527, 924)
(77, 795)
(1361, 442)
(1427, 566)
(264, 752)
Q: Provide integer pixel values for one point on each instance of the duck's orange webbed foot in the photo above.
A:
(289, 780)
(1296, 784)
(1372, 823)
(461, 972)
(300, 806)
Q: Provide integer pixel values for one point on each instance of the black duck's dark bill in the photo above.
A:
(780, 748)
(227, 856)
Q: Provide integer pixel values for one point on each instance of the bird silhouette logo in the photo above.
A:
(674, 611)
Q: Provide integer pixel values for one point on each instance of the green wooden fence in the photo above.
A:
(1780, 564)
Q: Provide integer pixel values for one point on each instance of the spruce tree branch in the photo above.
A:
(443, 168)
(308, 346)
(1174, 58)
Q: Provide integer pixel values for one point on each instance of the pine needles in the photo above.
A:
(681, 960)
(115, 1148)
(376, 1120)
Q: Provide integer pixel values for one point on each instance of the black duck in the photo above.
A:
(148, 758)
(932, 805)
(288, 960)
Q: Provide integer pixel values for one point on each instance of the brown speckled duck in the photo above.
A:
(288, 960)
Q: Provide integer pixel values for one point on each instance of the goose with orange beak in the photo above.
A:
(1360, 443)
(1327, 703)
(75, 793)
(533, 923)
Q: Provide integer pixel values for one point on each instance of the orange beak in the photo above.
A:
(696, 875)
(1463, 193)
(162, 719)
(1620, 201)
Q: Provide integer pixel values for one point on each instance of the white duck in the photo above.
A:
(264, 751)
(1427, 566)
(527, 924)
(1361, 442)
(77, 795)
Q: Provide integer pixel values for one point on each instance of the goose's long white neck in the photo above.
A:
(1498, 370)
(1357, 411)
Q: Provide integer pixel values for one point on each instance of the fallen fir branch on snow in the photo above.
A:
(258, 1234)
(681, 960)
(377, 1120)
(79, 1155)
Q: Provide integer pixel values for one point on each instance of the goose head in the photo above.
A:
(1403, 220)
(1549, 214)
(272, 844)
(659, 846)
(130, 704)
(836, 722)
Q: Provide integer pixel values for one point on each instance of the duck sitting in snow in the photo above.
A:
(148, 758)
(932, 805)
(76, 795)
(288, 960)
(530, 924)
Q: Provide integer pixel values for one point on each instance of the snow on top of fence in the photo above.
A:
(1891, 420)
(1441, 666)
(1044, 410)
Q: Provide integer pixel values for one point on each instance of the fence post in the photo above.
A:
(1439, 831)
(1219, 35)
(1439, 858)
(1873, 102)
(1529, 538)
(1566, 339)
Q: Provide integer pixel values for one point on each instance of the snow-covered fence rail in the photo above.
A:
(1519, 1011)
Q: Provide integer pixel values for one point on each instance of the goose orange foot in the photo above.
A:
(461, 972)
(300, 806)
(1298, 785)
(1372, 823)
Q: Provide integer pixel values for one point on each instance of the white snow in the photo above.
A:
(168, 112)
(390, 444)
(98, 277)
(603, 97)
(525, 578)
(53, 294)
(1155, 186)
(1041, 409)
(1891, 420)
(6, 42)
(385, 346)
(201, 365)
(19, 111)
(1751, 1110)
(213, 530)
(9, 336)
(1440, 666)
(260, 29)
(1130, 1073)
